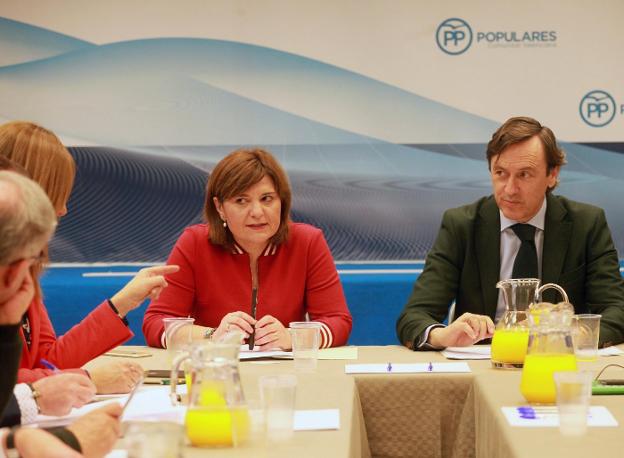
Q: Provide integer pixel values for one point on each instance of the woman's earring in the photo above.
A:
(224, 223)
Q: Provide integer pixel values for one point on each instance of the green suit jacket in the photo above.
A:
(464, 264)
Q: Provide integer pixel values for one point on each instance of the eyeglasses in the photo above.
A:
(39, 258)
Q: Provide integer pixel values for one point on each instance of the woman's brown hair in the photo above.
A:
(46, 160)
(44, 157)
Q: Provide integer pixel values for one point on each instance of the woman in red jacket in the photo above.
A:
(251, 257)
(49, 163)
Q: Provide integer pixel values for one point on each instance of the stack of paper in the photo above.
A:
(470, 352)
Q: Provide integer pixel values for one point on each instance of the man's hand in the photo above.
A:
(467, 330)
(37, 443)
(59, 393)
(117, 377)
(149, 282)
(98, 430)
(21, 281)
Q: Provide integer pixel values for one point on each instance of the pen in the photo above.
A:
(49, 365)
(132, 393)
(254, 297)
(530, 413)
(430, 367)
(389, 369)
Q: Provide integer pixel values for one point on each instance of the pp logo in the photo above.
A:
(597, 108)
(454, 36)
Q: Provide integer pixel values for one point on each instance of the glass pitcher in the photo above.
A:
(550, 350)
(217, 414)
(511, 336)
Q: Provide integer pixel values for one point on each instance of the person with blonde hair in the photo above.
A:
(250, 268)
(41, 153)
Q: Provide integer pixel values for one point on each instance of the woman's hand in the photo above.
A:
(149, 282)
(116, 377)
(235, 321)
(271, 333)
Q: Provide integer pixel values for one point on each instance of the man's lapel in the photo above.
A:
(487, 236)
(557, 233)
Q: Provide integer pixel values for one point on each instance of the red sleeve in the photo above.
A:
(99, 332)
(177, 299)
(325, 298)
(32, 375)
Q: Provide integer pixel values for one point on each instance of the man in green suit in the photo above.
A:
(478, 244)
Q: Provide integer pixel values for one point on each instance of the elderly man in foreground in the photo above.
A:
(27, 221)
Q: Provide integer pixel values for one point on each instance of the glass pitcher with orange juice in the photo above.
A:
(511, 336)
(550, 350)
(217, 414)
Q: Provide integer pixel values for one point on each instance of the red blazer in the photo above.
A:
(297, 277)
(99, 332)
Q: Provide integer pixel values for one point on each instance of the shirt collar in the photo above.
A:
(538, 219)
(270, 250)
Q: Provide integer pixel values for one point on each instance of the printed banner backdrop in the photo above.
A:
(379, 110)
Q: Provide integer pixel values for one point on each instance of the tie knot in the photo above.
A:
(525, 232)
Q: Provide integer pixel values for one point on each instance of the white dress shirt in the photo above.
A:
(510, 245)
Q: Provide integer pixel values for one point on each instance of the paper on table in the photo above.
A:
(148, 403)
(547, 416)
(405, 368)
(325, 353)
(610, 351)
(314, 420)
(349, 352)
(246, 353)
(471, 352)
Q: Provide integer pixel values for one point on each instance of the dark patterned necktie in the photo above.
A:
(525, 264)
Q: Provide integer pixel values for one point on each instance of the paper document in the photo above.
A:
(325, 353)
(316, 420)
(149, 403)
(547, 416)
(392, 368)
(246, 353)
(471, 352)
(610, 351)
(350, 352)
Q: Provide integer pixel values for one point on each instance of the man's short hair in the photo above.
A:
(519, 129)
(26, 215)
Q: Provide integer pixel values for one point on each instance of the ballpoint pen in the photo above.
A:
(49, 365)
(254, 297)
(132, 393)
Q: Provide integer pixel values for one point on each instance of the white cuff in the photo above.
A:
(27, 404)
(327, 338)
(423, 345)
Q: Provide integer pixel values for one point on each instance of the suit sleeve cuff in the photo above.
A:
(421, 341)
(66, 436)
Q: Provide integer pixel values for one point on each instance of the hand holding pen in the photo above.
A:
(235, 321)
